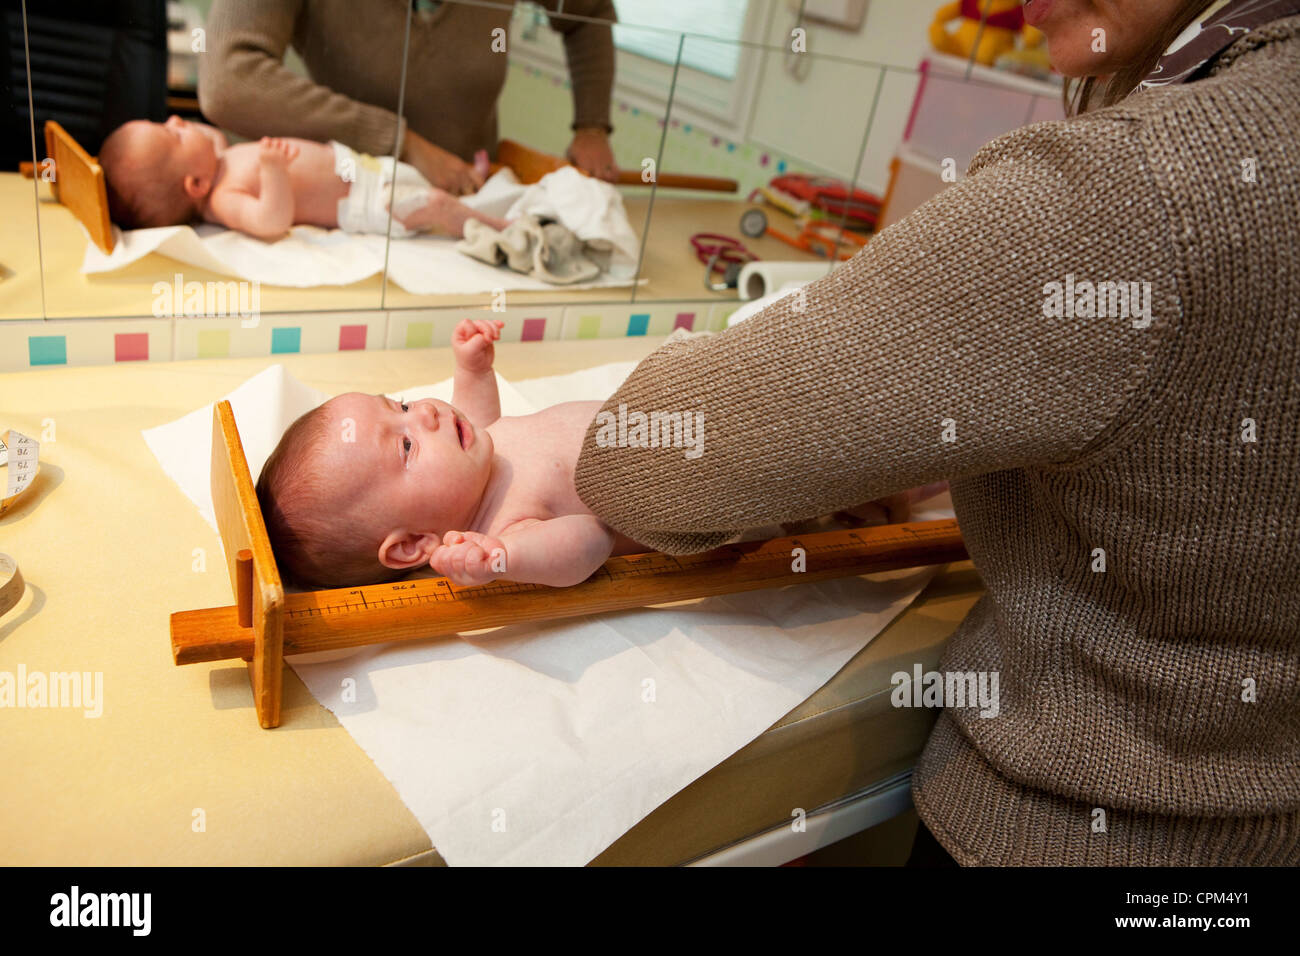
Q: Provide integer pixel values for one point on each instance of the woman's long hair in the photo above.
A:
(1084, 93)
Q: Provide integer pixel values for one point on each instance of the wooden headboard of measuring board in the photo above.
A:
(77, 182)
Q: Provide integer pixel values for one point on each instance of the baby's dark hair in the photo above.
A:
(315, 543)
(143, 190)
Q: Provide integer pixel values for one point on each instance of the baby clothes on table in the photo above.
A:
(538, 247)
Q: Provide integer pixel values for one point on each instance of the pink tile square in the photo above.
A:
(534, 330)
(685, 320)
(352, 337)
(131, 347)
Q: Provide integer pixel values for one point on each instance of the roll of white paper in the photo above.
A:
(758, 279)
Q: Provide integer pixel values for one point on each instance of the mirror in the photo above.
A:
(222, 233)
(547, 71)
(20, 275)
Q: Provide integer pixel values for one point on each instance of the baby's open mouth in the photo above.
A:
(461, 430)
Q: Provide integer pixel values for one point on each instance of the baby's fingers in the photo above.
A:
(488, 328)
(475, 561)
(438, 561)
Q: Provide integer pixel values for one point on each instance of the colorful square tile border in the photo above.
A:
(62, 342)
(107, 341)
(432, 328)
(634, 319)
(287, 333)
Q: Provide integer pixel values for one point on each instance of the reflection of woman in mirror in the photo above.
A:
(353, 52)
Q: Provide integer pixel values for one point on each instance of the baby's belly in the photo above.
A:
(316, 188)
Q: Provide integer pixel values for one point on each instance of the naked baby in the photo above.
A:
(364, 488)
(166, 174)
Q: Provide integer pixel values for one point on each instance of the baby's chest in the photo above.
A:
(242, 171)
(543, 450)
(542, 489)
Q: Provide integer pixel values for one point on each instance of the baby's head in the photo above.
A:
(157, 173)
(363, 488)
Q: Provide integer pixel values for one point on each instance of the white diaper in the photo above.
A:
(365, 207)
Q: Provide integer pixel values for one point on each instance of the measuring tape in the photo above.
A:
(18, 455)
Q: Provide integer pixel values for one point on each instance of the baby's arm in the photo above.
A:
(560, 552)
(269, 214)
(474, 389)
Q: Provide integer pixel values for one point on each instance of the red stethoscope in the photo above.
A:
(721, 254)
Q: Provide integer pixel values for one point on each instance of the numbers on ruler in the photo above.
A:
(438, 590)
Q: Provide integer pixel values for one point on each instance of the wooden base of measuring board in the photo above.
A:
(264, 624)
(431, 607)
(530, 165)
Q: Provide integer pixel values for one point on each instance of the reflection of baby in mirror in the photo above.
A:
(166, 174)
(364, 489)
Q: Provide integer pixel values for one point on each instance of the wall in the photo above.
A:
(813, 124)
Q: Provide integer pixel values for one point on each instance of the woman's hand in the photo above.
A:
(443, 169)
(468, 558)
(590, 152)
(471, 343)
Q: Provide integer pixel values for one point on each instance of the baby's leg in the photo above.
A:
(438, 211)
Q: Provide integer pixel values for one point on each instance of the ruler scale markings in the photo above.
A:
(429, 607)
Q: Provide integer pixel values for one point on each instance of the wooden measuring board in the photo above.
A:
(265, 623)
(429, 607)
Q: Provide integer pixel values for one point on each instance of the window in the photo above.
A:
(724, 19)
(717, 78)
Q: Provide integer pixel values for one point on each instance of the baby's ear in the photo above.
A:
(196, 187)
(407, 549)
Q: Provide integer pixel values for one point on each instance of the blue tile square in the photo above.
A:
(637, 324)
(47, 349)
(288, 340)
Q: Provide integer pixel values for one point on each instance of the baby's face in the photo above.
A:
(418, 467)
(188, 149)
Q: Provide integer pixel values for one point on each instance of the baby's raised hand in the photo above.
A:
(276, 152)
(471, 343)
(468, 558)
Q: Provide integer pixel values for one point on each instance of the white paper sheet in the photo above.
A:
(422, 265)
(544, 743)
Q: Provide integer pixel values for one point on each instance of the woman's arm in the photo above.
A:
(589, 52)
(927, 356)
(245, 87)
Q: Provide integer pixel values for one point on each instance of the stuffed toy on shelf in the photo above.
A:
(956, 31)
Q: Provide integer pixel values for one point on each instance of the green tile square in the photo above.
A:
(214, 343)
(419, 335)
(588, 326)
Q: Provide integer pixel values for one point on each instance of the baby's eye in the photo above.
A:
(405, 407)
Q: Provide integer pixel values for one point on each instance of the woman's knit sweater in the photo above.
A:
(1129, 487)
(354, 53)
